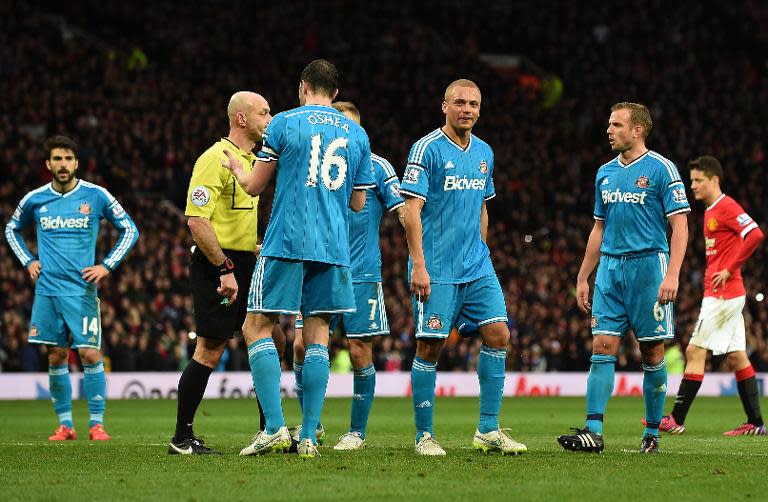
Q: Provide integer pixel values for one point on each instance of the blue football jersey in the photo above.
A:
(635, 201)
(321, 155)
(454, 182)
(364, 225)
(67, 228)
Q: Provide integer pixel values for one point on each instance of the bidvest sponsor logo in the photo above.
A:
(463, 183)
(625, 197)
(51, 223)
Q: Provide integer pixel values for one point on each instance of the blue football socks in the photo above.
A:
(423, 377)
(297, 367)
(599, 389)
(265, 371)
(654, 394)
(362, 398)
(61, 393)
(95, 384)
(317, 368)
(490, 373)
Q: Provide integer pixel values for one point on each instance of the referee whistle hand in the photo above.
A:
(228, 288)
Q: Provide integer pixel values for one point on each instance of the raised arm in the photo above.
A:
(254, 182)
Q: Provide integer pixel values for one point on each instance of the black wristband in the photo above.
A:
(227, 267)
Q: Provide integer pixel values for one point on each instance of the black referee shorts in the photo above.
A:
(212, 317)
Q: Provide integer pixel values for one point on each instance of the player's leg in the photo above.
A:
(609, 323)
(326, 291)
(653, 324)
(695, 363)
(360, 327)
(298, 360)
(47, 328)
(82, 317)
(364, 384)
(654, 391)
(274, 289)
(315, 374)
(60, 387)
(95, 387)
(746, 381)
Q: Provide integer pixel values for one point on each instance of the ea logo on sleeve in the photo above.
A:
(199, 196)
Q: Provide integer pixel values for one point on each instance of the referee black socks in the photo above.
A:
(192, 384)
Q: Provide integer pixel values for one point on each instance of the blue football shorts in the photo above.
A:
(370, 318)
(285, 286)
(55, 317)
(626, 292)
(478, 302)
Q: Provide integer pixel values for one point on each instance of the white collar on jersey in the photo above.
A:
(77, 187)
(456, 144)
(716, 201)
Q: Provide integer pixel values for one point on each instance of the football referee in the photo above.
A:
(222, 219)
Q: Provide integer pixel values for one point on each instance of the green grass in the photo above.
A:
(701, 464)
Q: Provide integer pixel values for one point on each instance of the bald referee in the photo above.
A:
(222, 219)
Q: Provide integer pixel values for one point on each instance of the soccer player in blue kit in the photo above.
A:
(322, 161)
(66, 213)
(370, 319)
(636, 194)
(446, 184)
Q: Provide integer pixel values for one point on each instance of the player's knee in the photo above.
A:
(695, 354)
(90, 356)
(652, 353)
(737, 360)
(495, 336)
(605, 345)
(429, 350)
(361, 353)
(57, 356)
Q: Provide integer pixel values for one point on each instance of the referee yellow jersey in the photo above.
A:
(215, 194)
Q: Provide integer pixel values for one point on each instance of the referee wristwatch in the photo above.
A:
(228, 267)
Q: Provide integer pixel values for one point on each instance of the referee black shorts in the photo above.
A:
(213, 318)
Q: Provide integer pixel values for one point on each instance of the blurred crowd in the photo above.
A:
(144, 97)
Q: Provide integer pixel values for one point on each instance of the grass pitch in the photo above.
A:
(701, 464)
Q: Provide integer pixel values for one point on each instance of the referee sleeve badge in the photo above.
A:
(199, 196)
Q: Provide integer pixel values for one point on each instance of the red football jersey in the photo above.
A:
(725, 226)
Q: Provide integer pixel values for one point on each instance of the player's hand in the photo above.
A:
(582, 296)
(720, 278)
(257, 251)
(34, 270)
(668, 290)
(420, 283)
(228, 289)
(234, 165)
(95, 273)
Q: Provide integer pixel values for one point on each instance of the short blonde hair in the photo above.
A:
(348, 107)
(462, 82)
(638, 115)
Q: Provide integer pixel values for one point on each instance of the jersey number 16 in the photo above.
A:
(330, 158)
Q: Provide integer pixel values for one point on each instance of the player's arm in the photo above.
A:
(751, 235)
(357, 200)
(129, 234)
(254, 182)
(18, 221)
(484, 223)
(588, 264)
(677, 244)
(413, 233)
(400, 210)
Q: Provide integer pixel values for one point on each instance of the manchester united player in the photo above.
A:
(731, 236)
